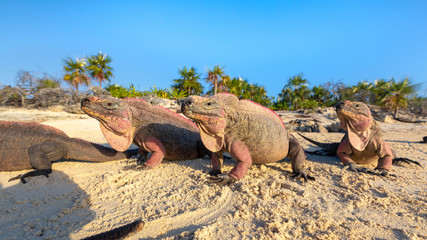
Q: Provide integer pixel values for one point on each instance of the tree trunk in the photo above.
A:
(215, 86)
(23, 100)
(395, 112)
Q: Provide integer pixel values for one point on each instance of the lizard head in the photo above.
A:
(355, 117)
(114, 119)
(209, 115)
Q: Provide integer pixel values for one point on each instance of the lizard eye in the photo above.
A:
(209, 104)
(110, 105)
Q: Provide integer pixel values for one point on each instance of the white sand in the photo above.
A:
(81, 199)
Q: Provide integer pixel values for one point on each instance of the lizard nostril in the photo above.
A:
(85, 101)
(339, 105)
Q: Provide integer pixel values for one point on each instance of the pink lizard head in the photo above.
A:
(355, 117)
(114, 119)
(356, 113)
(210, 116)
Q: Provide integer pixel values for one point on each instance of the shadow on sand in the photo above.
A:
(45, 208)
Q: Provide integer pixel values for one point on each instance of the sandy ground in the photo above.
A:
(81, 199)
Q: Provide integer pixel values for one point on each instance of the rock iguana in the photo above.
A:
(248, 131)
(363, 142)
(33, 145)
(154, 129)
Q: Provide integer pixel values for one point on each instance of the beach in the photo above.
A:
(175, 200)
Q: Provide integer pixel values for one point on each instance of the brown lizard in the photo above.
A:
(33, 145)
(363, 142)
(154, 129)
(248, 131)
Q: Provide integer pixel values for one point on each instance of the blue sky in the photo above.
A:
(265, 42)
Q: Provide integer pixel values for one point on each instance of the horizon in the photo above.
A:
(265, 43)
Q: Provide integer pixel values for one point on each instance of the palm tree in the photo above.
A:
(258, 94)
(214, 76)
(321, 95)
(188, 81)
(295, 91)
(237, 86)
(380, 89)
(99, 67)
(363, 92)
(223, 83)
(339, 91)
(75, 72)
(398, 93)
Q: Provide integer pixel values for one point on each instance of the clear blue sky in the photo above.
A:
(265, 42)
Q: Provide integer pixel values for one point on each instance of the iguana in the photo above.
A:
(154, 129)
(363, 142)
(248, 131)
(26, 145)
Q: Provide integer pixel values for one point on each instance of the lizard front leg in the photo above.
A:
(240, 152)
(158, 152)
(297, 155)
(217, 160)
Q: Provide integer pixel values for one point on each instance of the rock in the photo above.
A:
(335, 127)
(99, 91)
(76, 109)
(307, 125)
(322, 129)
(163, 102)
(388, 119)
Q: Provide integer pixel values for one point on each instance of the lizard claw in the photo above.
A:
(214, 172)
(143, 167)
(382, 172)
(356, 168)
(222, 179)
(301, 174)
(398, 161)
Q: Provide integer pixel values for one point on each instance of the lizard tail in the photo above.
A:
(80, 149)
(119, 232)
(330, 147)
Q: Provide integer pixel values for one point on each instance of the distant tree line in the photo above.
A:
(295, 93)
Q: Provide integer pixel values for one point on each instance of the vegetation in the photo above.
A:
(188, 81)
(99, 67)
(397, 94)
(75, 72)
(295, 94)
(121, 92)
(217, 78)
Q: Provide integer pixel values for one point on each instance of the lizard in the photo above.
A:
(249, 132)
(362, 143)
(154, 129)
(27, 145)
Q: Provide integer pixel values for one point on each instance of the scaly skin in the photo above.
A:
(32, 145)
(363, 142)
(248, 131)
(153, 129)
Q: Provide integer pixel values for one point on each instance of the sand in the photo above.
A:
(81, 199)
